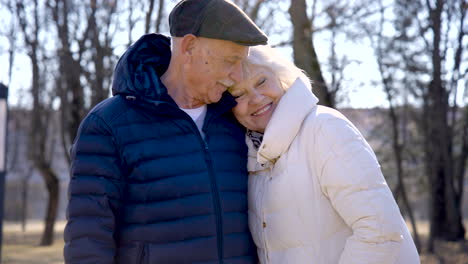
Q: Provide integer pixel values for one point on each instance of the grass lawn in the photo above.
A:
(22, 247)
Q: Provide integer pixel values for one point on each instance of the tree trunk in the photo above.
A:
(24, 204)
(304, 53)
(24, 198)
(149, 13)
(159, 18)
(98, 92)
(38, 135)
(40, 114)
(446, 220)
(52, 185)
(398, 152)
(397, 147)
(69, 85)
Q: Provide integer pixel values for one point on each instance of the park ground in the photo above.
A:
(20, 247)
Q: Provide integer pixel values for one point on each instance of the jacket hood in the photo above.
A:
(139, 69)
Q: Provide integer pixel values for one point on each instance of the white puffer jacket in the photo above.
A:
(316, 191)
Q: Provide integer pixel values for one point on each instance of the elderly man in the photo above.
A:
(159, 170)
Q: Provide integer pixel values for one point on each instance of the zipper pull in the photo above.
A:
(207, 154)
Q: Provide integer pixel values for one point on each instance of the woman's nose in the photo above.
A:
(256, 97)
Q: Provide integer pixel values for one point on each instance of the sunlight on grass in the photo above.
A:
(22, 247)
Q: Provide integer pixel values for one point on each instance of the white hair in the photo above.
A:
(268, 57)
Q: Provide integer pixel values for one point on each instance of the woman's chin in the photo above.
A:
(258, 129)
(255, 125)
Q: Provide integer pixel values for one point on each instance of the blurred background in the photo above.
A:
(398, 69)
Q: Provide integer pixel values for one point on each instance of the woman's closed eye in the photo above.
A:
(261, 81)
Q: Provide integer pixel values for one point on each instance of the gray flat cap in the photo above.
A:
(216, 19)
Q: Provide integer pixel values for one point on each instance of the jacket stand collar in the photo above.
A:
(284, 125)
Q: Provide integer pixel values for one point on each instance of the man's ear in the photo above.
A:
(188, 44)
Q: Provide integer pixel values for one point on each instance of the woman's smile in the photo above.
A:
(262, 110)
(257, 97)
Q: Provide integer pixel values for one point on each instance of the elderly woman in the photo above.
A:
(316, 191)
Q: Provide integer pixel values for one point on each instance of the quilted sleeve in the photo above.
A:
(94, 195)
(352, 180)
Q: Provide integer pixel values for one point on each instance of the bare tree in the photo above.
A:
(336, 65)
(31, 26)
(416, 59)
(86, 69)
(68, 83)
(148, 16)
(19, 120)
(159, 16)
(17, 160)
(446, 220)
(305, 56)
(10, 34)
(24, 197)
(262, 12)
(131, 20)
(398, 142)
(101, 37)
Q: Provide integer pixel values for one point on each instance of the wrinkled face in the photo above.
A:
(215, 66)
(257, 97)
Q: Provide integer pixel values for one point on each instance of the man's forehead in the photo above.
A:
(234, 54)
(226, 48)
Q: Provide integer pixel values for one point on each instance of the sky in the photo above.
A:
(365, 96)
(358, 91)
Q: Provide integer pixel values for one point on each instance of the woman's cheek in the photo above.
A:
(236, 111)
(240, 112)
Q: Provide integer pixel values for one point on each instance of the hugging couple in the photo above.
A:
(213, 149)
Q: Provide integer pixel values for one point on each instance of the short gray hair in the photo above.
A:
(268, 57)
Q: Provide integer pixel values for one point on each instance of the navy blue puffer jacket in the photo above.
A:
(145, 186)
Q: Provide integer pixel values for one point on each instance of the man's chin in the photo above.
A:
(215, 99)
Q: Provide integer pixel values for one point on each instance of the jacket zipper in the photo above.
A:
(214, 189)
(216, 204)
(262, 203)
(213, 183)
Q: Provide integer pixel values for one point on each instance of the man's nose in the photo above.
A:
(236, 74)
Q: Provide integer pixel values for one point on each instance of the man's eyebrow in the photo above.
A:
(234, 57)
